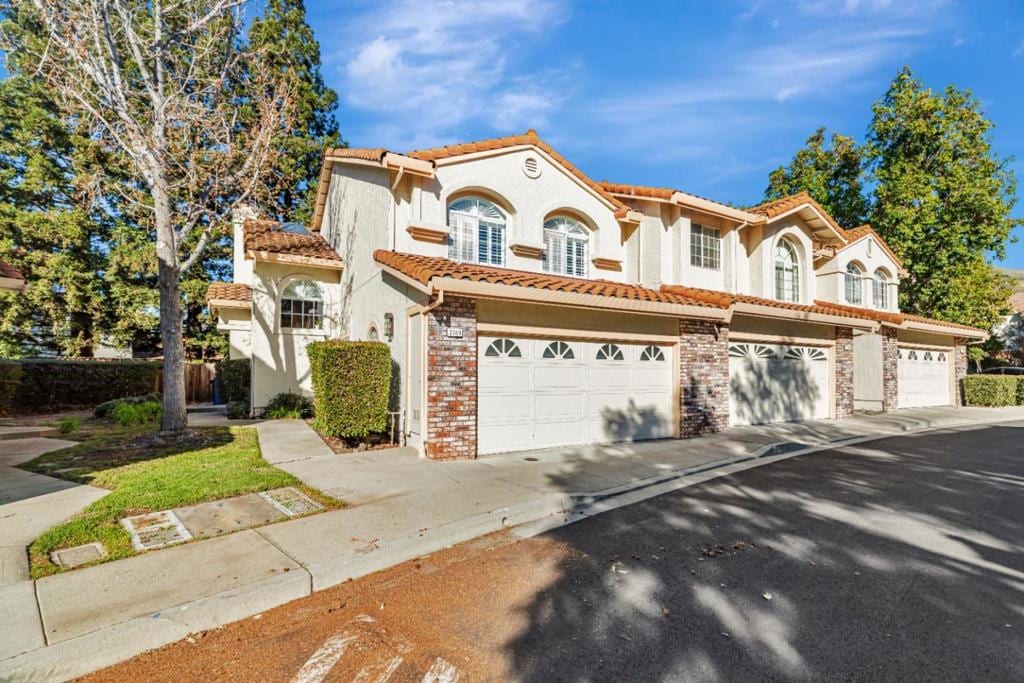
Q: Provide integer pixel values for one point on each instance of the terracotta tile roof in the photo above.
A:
(424, 268)
(944, 323)
(778, 207)
(262, 235)
(1017, 302)
(367, 153)
(9, 271)
(866, 230)
(870, 313)
(726, 299)
(530, 137)
(228, 291)
(638, 190)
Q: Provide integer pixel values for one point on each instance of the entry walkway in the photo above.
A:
(400, 506)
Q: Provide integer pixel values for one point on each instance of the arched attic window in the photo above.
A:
(477, 231)
(787, 272)
(853, 284)
(880, 289)
(566, 246)
(302, 306)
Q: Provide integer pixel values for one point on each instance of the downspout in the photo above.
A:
(394, 208)
(735, 258)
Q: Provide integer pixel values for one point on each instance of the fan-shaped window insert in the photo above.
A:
(805, 353)
(609, 352)
(653, 353)
(787, 272)
(880, 290)
(503, 348)
(566, 246)
(928, 355)
(912, 355)
(477, 231)
(558, 350)
(853, 284)
(302, 306)
(942, 358)
(751, 351)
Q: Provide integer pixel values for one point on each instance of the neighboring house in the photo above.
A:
(11, 278)
(1011, 329)
(527, 306)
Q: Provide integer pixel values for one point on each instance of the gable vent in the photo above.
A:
(531, 167)
(871, 245)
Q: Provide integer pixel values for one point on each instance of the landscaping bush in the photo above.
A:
(1020, 391)
(234, 380)
(66, 425)
(104, 409)
(237, 410)
(288, 405)
(10, 378)
(132, 414)
(52, 384)
(990, 390)
(351, 382)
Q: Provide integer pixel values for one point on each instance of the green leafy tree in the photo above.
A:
(942, 199)
(287, 45)
(832, 175)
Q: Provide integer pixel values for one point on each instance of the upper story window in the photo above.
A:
(880, 289)
(787, 272)
(566, 243)
(853, 284)
(302, 306)
(477, 232)
(705, 247)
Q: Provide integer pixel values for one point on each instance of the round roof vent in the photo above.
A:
(531, 167)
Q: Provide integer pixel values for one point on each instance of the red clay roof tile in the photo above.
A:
(9, 271)
(262, 235)
(228, 291)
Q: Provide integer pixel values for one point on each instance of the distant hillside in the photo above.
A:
(1018, 275)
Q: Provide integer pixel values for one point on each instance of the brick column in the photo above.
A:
(890, 369)
(960, 369)
(451, 380)
(844, 371)
(703, 377)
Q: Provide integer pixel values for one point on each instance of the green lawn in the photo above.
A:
(146, 475)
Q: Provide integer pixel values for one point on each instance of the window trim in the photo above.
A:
(880, 290)
(494, 224)
(561, 225)
(853, 283)
(793, 269)
(286, 284)
(702, 255)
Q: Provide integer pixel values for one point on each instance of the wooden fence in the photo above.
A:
(197, 382)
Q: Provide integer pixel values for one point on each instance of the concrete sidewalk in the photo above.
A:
(400, 507)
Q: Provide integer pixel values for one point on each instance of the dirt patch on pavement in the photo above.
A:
(452, 614)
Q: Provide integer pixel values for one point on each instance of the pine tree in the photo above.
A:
(287, 43)
(943, 199)
(832, 175)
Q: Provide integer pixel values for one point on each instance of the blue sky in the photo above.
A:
(706, 97)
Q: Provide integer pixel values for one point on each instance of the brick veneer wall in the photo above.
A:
(451, 381)
(703, 377)
(960, 369)
(844, 371)
(890, 369)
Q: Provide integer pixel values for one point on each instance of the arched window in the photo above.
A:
(853, 284)
(558, 349)
(880, 289)
(787, 272)
(566, 246)
(477, 232)
(503, 348)
(609, 352)
(302, 306)
(652, 353)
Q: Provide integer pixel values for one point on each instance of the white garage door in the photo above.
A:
(777, 383)
(539, 393)
(923, 378)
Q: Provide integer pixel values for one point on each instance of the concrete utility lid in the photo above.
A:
(156, 530)
(219, 517)
(69, 558)
(291, 501)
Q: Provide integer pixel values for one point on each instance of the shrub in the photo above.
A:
(66, 425)
(52, 384)
(104, 409)
(234, 380)
(288, 405)
(10, 378)
(351, 381)
(238, 410)
(990, 390)
(133, 414)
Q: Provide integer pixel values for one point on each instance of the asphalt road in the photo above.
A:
(897, 560)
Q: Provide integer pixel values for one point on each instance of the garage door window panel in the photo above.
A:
(557, 350)
(503, 348)
(652, 353)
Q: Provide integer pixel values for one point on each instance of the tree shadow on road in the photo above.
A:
(900, 559)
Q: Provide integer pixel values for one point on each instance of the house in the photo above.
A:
(11, 278)
(1011, 328)
(528, 306)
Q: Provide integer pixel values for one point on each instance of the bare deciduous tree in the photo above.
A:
(169, 85)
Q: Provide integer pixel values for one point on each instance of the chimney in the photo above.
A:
(242, 267)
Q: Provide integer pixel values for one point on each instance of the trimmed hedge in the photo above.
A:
(234, 380)
(10, 378)
(351, 383)
(992, 390)
(52, 384)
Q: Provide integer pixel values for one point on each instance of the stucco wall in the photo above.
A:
(556, 317)
(867, 371)
(762, 251)
(781, 328)
(870, 257)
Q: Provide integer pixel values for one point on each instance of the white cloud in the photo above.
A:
(1020, 49)
(431, 68)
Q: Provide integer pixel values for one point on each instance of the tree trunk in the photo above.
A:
(174, 419)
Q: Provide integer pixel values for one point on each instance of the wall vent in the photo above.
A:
(531, 167)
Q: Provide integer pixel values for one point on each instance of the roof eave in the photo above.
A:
(765, 311)
(274, 257)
